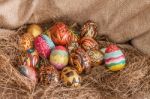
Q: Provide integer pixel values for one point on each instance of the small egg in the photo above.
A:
(43, 44)
(35, 30)
(96, 57)
(26, 42)
(70, 77)
(89, 29)
(88, 43)
(28, 72)
(80, 60)
(59, 57)
(48, 74)
(114, 58)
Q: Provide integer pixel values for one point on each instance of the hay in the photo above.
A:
(100, 84)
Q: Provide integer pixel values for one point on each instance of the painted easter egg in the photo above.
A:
(70, 77)
(26, 42)
(60, 33)
(88, 43)
(43, 44)
(80, 60)
(34, 29)
(48, 74)
(114, 58)
(89, 29)
(72, 46)
(28, 72)
(30, 58)
(96, 57)
(59, 57)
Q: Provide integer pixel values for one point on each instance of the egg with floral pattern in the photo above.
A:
(26, 42)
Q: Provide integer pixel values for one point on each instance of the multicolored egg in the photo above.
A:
(96, 57)
(30, 58)
(28, 72)
(35, 30)
(59, 57)
(43, 44)
(80, 60)
(48, 74)
(60, 34)
(26, 42)
(70, 77)
(114, 58)
(88, 43)
(89, 29)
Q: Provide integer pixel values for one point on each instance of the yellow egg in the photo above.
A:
(34, 29)
(26, 42)
(70, 77)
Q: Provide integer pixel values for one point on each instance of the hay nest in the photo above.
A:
(100, 84)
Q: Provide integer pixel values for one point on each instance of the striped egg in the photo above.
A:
(43, 44)
(59, 57)
(114, 58)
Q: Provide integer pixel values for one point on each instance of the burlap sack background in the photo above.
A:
(121, 20)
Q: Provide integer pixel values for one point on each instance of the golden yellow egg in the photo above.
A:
(34, 29)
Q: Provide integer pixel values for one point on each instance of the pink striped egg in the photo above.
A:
(114, 58)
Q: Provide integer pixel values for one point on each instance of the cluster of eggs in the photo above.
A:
(66, 54)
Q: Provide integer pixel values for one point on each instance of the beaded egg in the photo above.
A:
(30, 58)
(43, 44)
(34, 29)
(60, 33)
(70, 77)
(114, 58)
(89, 29)
(28, 72)
(48, 74)
(88, 43)
(26, 42)
(80, 60)
(59, 57)
(96, 57)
